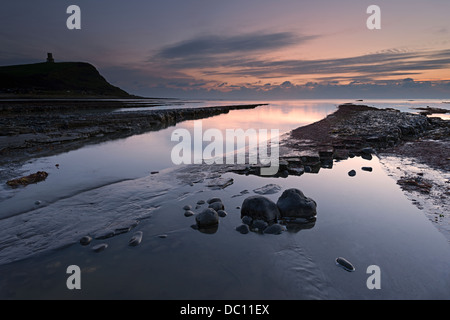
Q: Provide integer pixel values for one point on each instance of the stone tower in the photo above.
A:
(50, 58)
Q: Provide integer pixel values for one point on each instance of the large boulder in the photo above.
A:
(294, 204)
(260, 207)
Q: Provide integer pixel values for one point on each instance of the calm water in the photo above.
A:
(365, 219)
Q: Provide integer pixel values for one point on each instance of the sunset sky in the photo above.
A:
(242, 49)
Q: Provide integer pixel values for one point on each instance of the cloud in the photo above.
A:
(241, 56)
(219, 45)
(373, 66)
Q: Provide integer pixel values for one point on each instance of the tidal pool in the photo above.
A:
(366, 219)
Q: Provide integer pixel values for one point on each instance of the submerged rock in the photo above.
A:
(344, 263)
(85, 240)
(293, 203)
(104, 234)
(222, 213)
(212, 200)
(243, 228)
(218, 205)
(260, 207)
(247, 220)
(220, 183)
(136, 239)
(99, 247)
(274, 229)
(268, 189)
(259, 225)
(207, 218)
(188, 213)
(32, 178)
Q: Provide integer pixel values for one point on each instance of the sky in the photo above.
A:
(242, 49)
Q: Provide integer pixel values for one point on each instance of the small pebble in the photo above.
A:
(37, 202)
(212, 200)
(85, 240)
(200, 202)
(222, 213)
(259, 225)
(352, 173)
(105, 234)
(247, 220)
(187, 207)
(136, 239)
(188, 213)
(100, 247)
(369, 169)
(243, 228)
(274, 229)
(218, 205)
(344, 263)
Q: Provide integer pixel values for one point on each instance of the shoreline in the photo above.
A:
(46, 129)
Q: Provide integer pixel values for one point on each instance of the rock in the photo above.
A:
(32, 178)
(368, 150)
(293, 203)
(240, 194)
(136, 239)
(124, 226)
(188, 213)
(274, 229)
(268, 189)
(37, 202)
(247, 220)
(259, 225)
(200, 202)
(222, 213)
(344, 263)
(260, 207)
(369, 169)
(243, 228)
(85, 240)
(352, 173)
(217, 206)
(212, 200)
(207, 218)
(105, 234)
(99, 247)
(220, 183)
(187, 207)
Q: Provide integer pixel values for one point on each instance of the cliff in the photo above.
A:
(56, 80)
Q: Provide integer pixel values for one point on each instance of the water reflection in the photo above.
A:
(296, 226)
(208, 230)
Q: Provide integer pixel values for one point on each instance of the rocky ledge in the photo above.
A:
(42, 131)
(359, 130)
